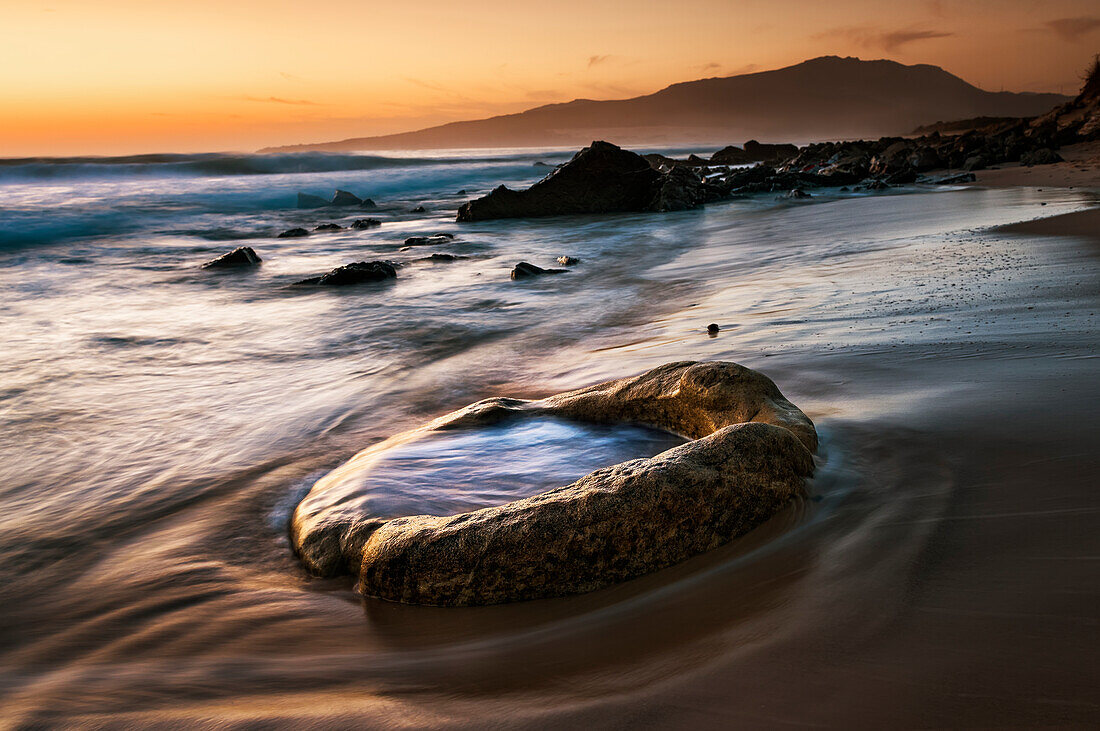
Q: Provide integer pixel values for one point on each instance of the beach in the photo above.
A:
(162, 422)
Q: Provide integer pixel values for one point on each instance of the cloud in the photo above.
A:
(712, 66)
(597, 60)
(281, 100)
(876, 38)
(1070, 29)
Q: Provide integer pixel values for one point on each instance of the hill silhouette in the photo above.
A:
(824, 98)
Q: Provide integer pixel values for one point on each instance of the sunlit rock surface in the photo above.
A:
(750, 456)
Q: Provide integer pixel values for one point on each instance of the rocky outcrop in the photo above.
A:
(750, 456)
(329, 227)
(354, 273)
(523, 270)
(242, 256)
(293, 233)
(601, 178)
(362, 223)
(754, 152)
(341, 198)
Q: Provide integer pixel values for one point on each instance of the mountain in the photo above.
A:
(823, 98)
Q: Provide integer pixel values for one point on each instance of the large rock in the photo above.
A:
(242, 256)
(355, 273)
(750, 457)
(754, 152)
(601, 178)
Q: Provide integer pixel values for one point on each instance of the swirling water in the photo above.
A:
(160, 422)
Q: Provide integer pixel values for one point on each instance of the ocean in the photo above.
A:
(161, 421)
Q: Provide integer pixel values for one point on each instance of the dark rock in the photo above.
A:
(750, 458)
(361, 223)
(433, 240)
(680, 189)
(442, 257)
(294, 233)
(242, 256)
(344, 198)
(354, 273)
(541, 164)
(368, 203)
(329, 227)
(461, 192)
(902, 177)
(976, 162)
(524, 270)
(797, 194)
(568, 261)
(305, 200)
(1042, 156)
(713, 329)
(419, 209)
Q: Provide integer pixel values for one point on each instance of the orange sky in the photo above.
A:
(126, 76)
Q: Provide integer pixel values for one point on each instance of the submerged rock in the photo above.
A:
(750, 457)
(442, 257)
(294, 233)
(329, 227)
(361, 223)
(344, 198)
(305, 200)
(568, 261)
(354, 273)
(601, 178)
(242, 256)
(433, 240)
(368, 203)
(419, 209)
(524, 270)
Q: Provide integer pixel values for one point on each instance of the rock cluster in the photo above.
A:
(601, 178)
(751, 455)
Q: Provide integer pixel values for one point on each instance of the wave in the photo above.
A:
(219, 164)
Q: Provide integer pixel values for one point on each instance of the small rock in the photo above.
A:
(294, 233)
(354, 273)
(524, 270)
(366, 223)
(568, 261)
(442, 257)
(329, 227)
(344, 198)
(368, 203)
(461, 192)
(429, 240)
(713, 329)
(242, 256)
(419, 209)
(797, 194)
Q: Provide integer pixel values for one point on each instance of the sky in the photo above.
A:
(114, 77)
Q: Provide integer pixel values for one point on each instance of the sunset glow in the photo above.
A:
(124, 76)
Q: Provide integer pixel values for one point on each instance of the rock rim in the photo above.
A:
(750, 456)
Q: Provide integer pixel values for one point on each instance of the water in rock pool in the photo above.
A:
(160, 422)
(454, 471)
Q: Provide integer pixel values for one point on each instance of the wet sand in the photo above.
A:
(1081, 169)
(941, 572)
